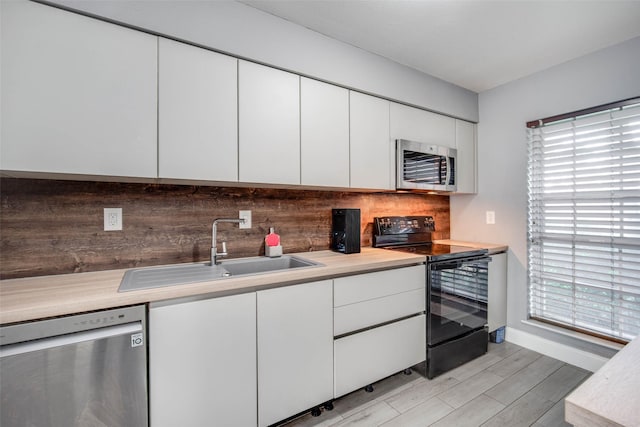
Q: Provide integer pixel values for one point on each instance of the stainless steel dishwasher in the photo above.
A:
(81, 370)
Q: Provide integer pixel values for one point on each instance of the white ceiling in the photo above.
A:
(476, 44)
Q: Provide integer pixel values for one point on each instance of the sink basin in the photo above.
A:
(170, 275)
(262, 265)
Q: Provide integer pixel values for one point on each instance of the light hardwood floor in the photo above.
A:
(509, 386)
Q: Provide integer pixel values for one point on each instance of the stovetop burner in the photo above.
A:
(439, 252)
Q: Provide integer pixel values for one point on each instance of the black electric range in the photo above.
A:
(457, 290)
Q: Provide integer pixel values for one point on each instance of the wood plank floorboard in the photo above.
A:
(508, 386)
(521, 413)
(424, 414)
(421, 392)
(510, 389)
(554, 417)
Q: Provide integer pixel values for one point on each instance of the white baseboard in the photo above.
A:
(573, 356)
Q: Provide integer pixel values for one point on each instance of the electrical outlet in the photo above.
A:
(112, 219)
(247, 219)
(491, 217)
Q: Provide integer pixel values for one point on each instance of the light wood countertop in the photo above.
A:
(611, 396)
(47, 296)
(493, 248)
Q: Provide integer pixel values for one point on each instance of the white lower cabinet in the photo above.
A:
(369, 356)
(261, 357)
(295, 349)
(372, 300)
(202, 363)
(497, 304)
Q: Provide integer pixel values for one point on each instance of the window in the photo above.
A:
(584, 220)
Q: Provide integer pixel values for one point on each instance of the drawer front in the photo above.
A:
(352, 317)
(369, 356)
(364, 287)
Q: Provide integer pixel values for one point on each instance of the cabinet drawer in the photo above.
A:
(361, 315)
(369, 356)
(364, 287)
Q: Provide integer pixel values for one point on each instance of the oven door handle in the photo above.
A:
(453, 264)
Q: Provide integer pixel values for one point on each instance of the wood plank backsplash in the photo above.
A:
(55, 227)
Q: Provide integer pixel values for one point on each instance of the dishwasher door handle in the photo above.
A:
(69, 339)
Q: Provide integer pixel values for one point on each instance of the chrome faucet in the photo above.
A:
(214, 244)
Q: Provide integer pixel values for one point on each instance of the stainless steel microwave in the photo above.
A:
(421, 166)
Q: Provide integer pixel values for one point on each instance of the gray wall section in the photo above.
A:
(599, 78)
(242, 31)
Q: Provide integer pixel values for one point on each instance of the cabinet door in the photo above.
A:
(269, 125)
(295, 349)
(372, 153)
(197, 113)
(324, 141)
(497, 305)
(466, 148)
(202, 363)
(422, 126)
(79, 95)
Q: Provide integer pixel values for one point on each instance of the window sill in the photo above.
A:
(573, 334)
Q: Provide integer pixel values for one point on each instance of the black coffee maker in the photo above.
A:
(345, 230)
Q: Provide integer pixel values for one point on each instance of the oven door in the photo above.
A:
(456, 297)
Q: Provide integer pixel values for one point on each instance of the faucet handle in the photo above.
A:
(224, 248)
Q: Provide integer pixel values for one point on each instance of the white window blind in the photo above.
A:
(584, 221)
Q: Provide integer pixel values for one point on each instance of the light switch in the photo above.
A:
(246, 215)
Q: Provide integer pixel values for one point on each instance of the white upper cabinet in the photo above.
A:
(79, 96)
(372, 153)
(324, 126)
(467, 157)
(197, 113)
(86, 99)
(422, 126)
(269, 125)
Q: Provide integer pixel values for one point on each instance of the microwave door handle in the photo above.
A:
(448, 174)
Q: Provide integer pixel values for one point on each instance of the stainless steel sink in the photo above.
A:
(155, 277)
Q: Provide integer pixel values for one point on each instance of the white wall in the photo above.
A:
(606, 76)
(243, 31)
